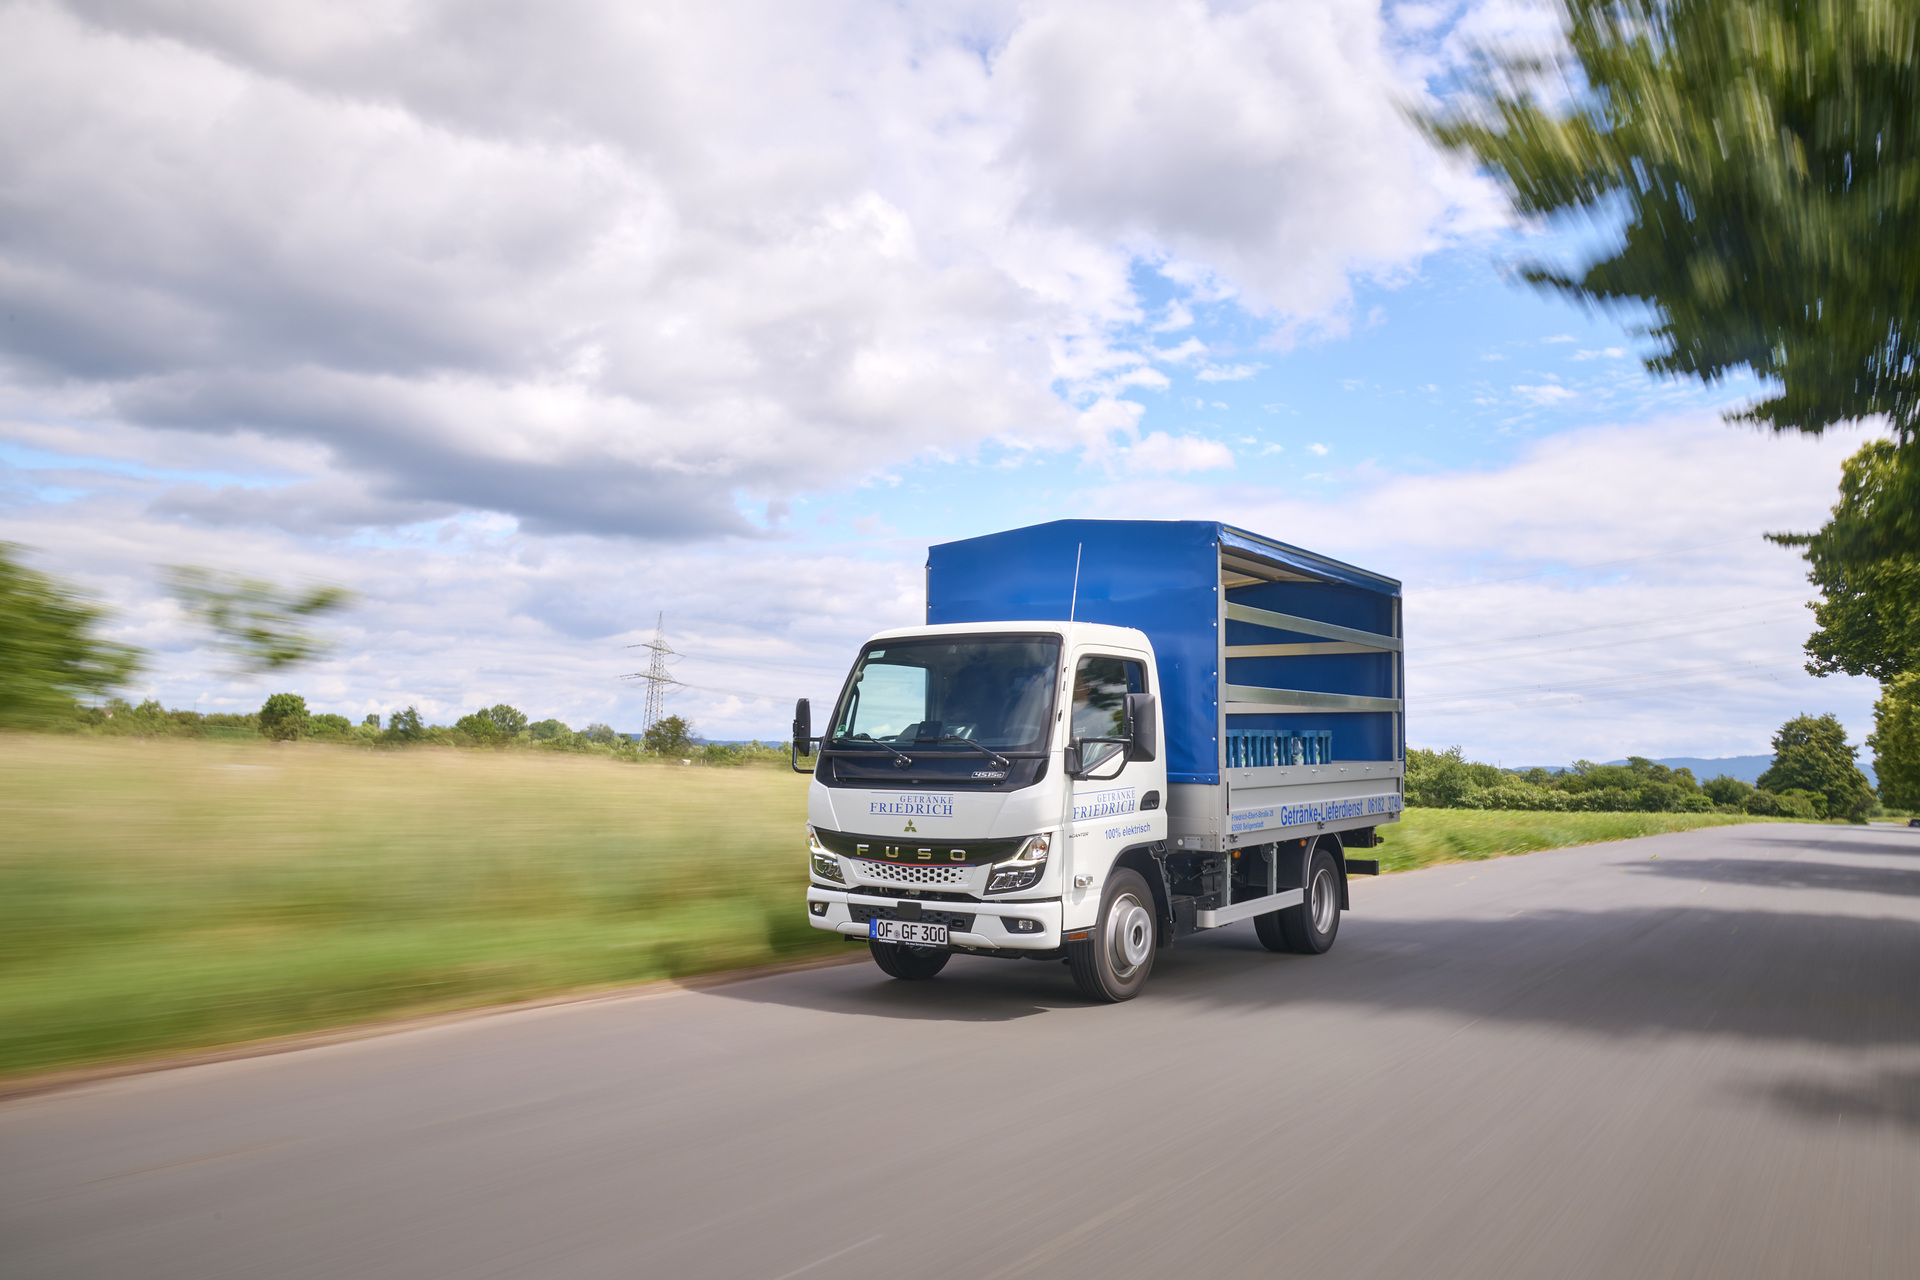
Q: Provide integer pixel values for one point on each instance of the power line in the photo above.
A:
(1603, 644)
(1669, 674)
(1607, 626)
(1581, 568)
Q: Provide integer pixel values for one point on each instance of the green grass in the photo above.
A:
(158, 896)
(1427, 836)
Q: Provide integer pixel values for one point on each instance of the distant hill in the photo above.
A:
(1745, 768)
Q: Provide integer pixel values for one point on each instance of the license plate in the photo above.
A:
(910, 932)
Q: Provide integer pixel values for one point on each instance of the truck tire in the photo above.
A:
(1113, 963)
(915, 964)
(1310, 928)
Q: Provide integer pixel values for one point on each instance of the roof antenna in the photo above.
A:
(1073, 602)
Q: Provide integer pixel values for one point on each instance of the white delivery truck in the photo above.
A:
(1108, 735)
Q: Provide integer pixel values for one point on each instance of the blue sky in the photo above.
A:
(729, 312)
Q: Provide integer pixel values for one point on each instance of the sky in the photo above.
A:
(533, 324)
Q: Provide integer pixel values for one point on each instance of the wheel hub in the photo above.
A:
(1129, 934)
(1325, 898)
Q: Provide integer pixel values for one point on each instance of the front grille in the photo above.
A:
(894, 873)
(905, 850)
(954, 920)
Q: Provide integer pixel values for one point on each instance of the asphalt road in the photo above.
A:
(1690, 1055)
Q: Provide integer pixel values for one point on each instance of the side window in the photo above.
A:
(1100, 687)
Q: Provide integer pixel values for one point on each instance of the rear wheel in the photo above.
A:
(1310, 928)
(1113, 963)
(915, 964)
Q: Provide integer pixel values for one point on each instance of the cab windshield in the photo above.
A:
(992, 691)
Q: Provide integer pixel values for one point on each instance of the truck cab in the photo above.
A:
(1020, 785)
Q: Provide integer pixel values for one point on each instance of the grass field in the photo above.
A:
(167, 895)
(1427, 836)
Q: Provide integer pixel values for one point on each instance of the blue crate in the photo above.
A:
(1266, 748)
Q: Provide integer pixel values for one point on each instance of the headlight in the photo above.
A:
(825, 865)
(1024, 869)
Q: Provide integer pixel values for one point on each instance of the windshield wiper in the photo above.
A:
(901, 760)
(998, 759)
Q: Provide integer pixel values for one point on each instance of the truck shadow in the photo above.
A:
(969, 989)
(1829, 979)
(1785, 874)
(1885, 1097)
(1826, 979)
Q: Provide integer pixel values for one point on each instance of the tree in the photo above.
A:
(1811, 754)
(1727, 790)
(1869, 619)
(1895, 741)
(1766, 156)
(509, 721)
(405, 726)
(601, 735)
(549, 731)
(372, 720)
(329, 725)
(283, 718)
(50, 648)
(671, 736)
(479, 726)
(262, 627)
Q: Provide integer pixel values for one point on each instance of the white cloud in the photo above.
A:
(629, 270)
(1162, 454)
(1228, 373)
(1318, 450)
(1545, 394)
(1604, 353)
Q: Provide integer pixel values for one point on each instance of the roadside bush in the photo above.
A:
(480, 727)
(1728, 791)
(283, 718)
(328, 727)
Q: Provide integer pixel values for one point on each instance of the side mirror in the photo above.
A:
(1071, 765)
(802, 733)
(1140, 730)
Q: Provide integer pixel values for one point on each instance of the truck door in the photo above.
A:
(1117, 803)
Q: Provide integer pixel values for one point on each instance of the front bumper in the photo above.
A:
(989, 931)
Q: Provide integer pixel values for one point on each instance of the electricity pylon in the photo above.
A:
(656, 677)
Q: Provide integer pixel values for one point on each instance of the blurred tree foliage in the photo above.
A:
(1896, 741)
(50, 649)
(1765, 155)
(1810, 753)
(262, 627)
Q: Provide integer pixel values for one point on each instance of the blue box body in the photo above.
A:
(1163, 577)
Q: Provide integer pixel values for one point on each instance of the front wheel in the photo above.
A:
(1113, 963)
(915, 964)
